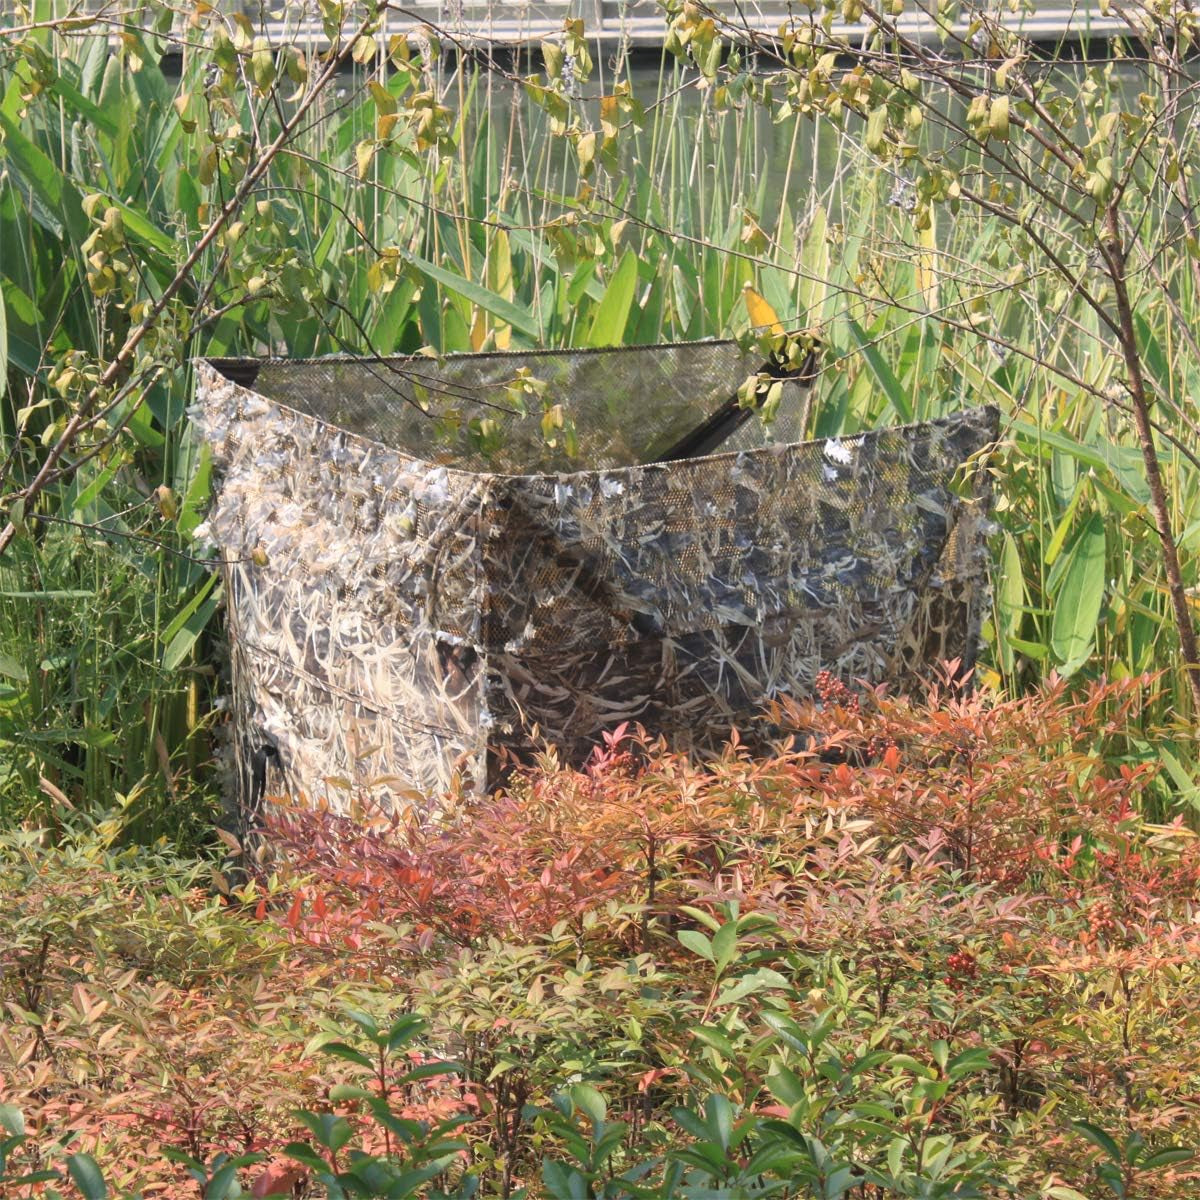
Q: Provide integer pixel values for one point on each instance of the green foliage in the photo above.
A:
(407, 212)
(92, 704)
(150, 1025)
(928, 946)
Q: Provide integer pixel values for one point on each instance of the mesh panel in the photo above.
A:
(488, 412)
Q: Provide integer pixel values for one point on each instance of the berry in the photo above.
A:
(832, 690)
(962, 965)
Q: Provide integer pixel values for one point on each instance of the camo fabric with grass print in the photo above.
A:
(434, 566)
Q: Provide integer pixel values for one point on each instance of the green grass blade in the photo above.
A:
(884, 375)
(1079, 599)
(3, 348)
(44, 179)
(520, 319)
(814, 262)
(608, 325)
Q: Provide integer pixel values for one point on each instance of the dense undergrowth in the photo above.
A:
(933, 951)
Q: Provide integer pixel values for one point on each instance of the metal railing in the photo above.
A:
(635, 22)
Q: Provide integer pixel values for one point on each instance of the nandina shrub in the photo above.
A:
(142, 1013)
(1008, 783)
(1014, 793)
(961, 868)
(937, 925)
(635, 829)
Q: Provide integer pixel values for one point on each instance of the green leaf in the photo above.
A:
(3, 348)
(184, 1160)
(12, 1119)
(34, 1177)
(1079, 599)
(697, 943)
(564, 1182)
(523, 240)
(786, 1086)
(1059, 537)
(341, 1050)
(142, 230)
(718, 1116)
(94, 113)
(1010, 600)
(83, 502)
(814, 266)
(976, 1059)
(189, 623)
(1189, 789)
(1034, 650)
(754, 981)
(840, 1181)
(1164, 1158)
(698, 914)
(1122, 463)
(87, 1176)
(884, 375)
(222, 1184)
(724, 945)
(10, 668)
(306, 1156)
(589, 1101)
(577, 287)
(908, 1063)
(716, 1038)
(197, 494)
(688, 1121)
(394, 313)
(790, 1033)
(330, 1130)
(612, 313)
(403, 1030)
(407, 1183)
(50, 185)
(1098, 1137)
(498, 306)
(871, 1108)
(876, 126)
(366, 1023)
(432, 1070)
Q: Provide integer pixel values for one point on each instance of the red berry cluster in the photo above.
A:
(1101, 920)
(832, 690)
(879, 744)
(961, 967)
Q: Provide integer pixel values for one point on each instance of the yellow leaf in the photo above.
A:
(585, 151)
(500, 280)
(927, 264)
(365, 49)
(479, 330)
(998, 118)
(165, 499)
(364, 152)
(762, 315)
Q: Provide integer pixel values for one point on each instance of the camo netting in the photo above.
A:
(424, 574)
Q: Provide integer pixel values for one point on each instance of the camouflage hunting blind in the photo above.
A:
(429, 563)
